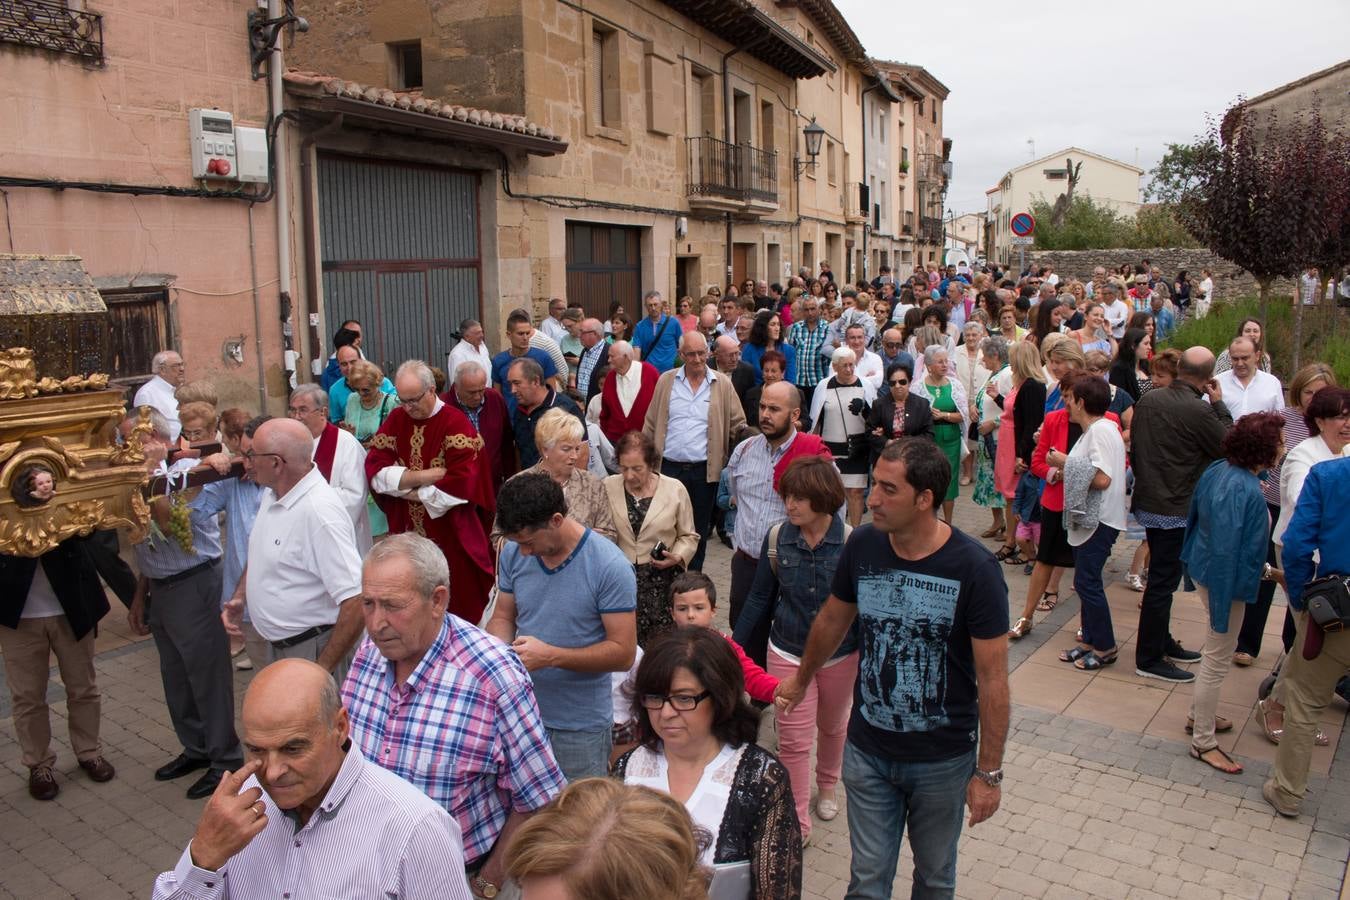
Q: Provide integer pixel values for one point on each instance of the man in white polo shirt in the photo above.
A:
(302, 582)
(1246, 389)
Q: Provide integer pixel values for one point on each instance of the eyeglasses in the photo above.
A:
(678, 702)
(890, 345)
(898, 382)
(252, 456)
(413, 401)
(301, 410)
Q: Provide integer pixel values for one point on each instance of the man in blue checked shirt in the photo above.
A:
(807, 337)
(447, 707)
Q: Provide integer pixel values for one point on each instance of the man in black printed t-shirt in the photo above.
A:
(930, 707)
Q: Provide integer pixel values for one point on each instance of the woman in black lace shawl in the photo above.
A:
(696, 734)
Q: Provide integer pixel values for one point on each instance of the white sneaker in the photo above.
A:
(827, 807)
(1135, 583)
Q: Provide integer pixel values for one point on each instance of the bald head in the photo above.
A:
(287, 438)
(1196, 366)
(784, 393)
(293, 691)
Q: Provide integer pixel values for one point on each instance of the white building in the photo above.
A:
(1105, 180)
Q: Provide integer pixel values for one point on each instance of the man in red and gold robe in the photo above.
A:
(427, 472)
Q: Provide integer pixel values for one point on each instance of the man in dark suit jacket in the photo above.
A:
(727, 351)
(487, 411)
(52, 604)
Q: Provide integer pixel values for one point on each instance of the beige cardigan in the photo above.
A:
(726, 419)
(670, 518)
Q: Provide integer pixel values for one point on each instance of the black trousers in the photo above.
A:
(1254, 621)
(702, 496)
(743, 568)
(1164, 576)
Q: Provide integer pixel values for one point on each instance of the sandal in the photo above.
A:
(1017, 559)
(1094, 661)
(1074, 654)
(1005, 551)
(1045, 604)
(1263, 712)
(993, 531)
(1021, 628)
(1228, 765)
(1220, 725)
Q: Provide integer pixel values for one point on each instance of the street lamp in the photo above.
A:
(814, 134)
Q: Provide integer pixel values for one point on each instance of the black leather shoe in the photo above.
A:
(180, 767)
(206, 785)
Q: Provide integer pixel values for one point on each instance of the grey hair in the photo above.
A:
(843, 354)
(160, 359)
(158, 424)
(420, 370)
(975, 322)
(529, 369)
(310, 389)
(930, 353)
(469, 323)
(330, 701)
(468, 367)
(429, 568)
(649, 295)
(623, 347)
(996, 346)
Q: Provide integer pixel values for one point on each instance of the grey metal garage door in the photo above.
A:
(399, 248)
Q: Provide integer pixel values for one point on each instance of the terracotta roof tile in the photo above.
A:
(415, 101)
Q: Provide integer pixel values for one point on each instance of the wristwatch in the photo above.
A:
(993, 779)
(484, 888)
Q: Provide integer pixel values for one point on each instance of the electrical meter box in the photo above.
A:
(214, 155)
(251, 152)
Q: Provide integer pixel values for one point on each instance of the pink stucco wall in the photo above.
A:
(127, 122)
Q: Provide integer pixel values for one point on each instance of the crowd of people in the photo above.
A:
(477, 601)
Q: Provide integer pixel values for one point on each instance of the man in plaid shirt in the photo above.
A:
(807, 337)
(446, 706)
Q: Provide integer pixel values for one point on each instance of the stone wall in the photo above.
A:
(1230, 281)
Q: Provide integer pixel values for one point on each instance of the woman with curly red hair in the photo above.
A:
(1224, 553)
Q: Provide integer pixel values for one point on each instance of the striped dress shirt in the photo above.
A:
(374, 835)
(758, 506)
(464, 728)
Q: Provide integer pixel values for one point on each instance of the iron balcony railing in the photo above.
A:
(733, 171)
(930, 229)
(908, 226)
(52, 26)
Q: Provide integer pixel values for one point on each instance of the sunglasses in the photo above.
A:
(899, 382)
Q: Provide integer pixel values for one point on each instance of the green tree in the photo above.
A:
(1156, 225)
(1086, 225)
(1179, 170)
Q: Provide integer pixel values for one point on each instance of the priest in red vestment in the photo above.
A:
(428, 473)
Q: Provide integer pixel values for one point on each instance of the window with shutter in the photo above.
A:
(598, 76)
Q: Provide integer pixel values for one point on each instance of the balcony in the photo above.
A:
(52, 26)
(930, 230)
(734, 178)
(907, 226)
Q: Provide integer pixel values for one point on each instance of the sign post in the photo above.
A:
(1023, 226)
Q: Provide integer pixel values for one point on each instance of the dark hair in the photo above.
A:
(1166, 363)
(990, 303)
(345, 337)
(815, 480)
(900, 366)
(232, 421)
(1139, 320)
(516, 316)
(1044, 325)
(642, 443)
(1327, 402)
(254, 424)
(913, 321)
(1022, 304)
(1091, 391)
(936, 311)
(926, 466)
(759, 330)
(627, 323)
(694, 581)
(709, 658)
(1253, 440)
(529, 500)
(1128, 352)
(773, 356)
(1256, 344)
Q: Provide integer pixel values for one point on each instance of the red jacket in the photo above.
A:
(613, 422)
(1054, 436)
(759, 684)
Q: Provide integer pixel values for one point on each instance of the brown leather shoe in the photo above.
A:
(98, 769)
(42, 783)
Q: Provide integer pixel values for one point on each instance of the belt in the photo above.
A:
(665, 461)
(301, 637)
(746, 556)
(186, 573)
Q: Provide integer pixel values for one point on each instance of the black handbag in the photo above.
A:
(1327, 600)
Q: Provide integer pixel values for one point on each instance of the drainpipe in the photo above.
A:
(311, 229)
(257, 313)
(275, 10)
(868, 215)
(726, 134)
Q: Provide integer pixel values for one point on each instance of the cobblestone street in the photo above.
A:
(1100, 799)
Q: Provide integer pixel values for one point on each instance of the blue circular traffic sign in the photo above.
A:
(1023, 224)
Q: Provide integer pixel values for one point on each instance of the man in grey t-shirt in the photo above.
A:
(569, 612)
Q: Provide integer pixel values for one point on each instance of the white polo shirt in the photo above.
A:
(1262, 394)
(302, 559)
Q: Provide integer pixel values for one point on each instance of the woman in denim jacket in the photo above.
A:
(791, 585)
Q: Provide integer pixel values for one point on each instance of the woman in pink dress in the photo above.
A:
(1024, 364)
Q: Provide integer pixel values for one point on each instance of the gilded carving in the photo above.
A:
(31, 535)
(71, 459)
(18, 374)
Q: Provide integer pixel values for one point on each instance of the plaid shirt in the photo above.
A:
(464, 728)
(812, 368)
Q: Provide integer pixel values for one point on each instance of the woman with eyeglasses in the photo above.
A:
(696, 742)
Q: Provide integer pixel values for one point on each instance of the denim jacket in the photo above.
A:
(794, 596)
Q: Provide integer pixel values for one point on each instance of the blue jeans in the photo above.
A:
(1088, 560)
(883, 796)
(582, 754)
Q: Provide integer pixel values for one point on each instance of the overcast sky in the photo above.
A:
(1120, 79)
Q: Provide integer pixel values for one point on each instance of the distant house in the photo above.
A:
(1105, 180)
(1329, 89)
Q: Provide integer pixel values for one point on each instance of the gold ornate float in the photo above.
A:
(64, 425)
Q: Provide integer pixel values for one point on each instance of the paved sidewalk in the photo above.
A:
(1100, 799)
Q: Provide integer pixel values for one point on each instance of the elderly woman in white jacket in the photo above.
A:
(973, 376)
